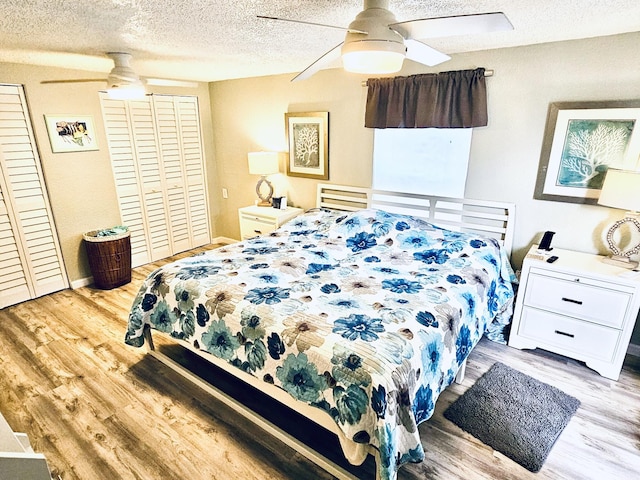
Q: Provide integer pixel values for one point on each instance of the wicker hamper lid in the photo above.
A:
(106, 235)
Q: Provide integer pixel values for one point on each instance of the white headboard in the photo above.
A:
(494, 219)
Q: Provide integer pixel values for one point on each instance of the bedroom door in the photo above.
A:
(30, 257)
(156, 154)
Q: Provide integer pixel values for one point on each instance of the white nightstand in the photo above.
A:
(256, 220)
(577, 306)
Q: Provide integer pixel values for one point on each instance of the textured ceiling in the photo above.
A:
(217, 40)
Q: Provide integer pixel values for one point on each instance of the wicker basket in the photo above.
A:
(109, 259)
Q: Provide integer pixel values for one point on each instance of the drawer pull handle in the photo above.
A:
(257, 231)
(571, 300)
(570, 335)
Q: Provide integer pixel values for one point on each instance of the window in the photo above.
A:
(430, 161)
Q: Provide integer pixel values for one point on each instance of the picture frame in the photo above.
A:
(581, 141)
(71, 133)
(307, 136)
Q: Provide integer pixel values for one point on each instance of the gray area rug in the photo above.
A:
(515, 414)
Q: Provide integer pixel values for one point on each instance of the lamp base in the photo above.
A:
(619, 261)
(265, 200)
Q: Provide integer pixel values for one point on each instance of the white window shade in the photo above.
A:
(431, 161)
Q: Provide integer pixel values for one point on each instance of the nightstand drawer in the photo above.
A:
(256, 220)
(252, 226)
(589, 302)
(583, 339)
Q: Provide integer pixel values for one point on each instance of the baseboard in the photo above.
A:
(224, 240)
(83, 282)
(634, 350)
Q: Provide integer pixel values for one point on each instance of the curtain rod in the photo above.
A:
(487, 73)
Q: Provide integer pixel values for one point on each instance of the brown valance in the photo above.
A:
(456, 99)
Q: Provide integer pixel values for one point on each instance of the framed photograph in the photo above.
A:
(308, 140)
(71, 133)
(581, 141)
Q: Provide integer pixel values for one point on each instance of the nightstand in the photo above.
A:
(256, 220)
(579, 307)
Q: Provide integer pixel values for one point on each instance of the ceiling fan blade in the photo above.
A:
(320, 63)
(454, 25)
(421, 53)
(347, 29)
(74, 80)
(167, 82)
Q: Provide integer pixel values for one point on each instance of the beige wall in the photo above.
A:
(80, 184)
(248, 115)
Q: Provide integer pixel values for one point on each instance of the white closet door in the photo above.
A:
(178, 123)
(134, 158)
(123, 162)
(158, 163)
(151, 177)
(14, 287)
(30, 253)
(189, 128)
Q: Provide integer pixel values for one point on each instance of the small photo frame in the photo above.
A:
(71, 133)
(582, 140)
(308, 139)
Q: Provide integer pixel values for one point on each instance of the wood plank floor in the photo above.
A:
(99, 409)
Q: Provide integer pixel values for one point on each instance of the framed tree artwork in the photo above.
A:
(308, 139)
(582, 141)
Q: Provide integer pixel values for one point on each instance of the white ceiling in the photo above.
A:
(209, 40)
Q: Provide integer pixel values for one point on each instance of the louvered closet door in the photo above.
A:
(134, 158)
(151, 177)
(14, 287)
(180, 138)
(30, 258)
(158, 163)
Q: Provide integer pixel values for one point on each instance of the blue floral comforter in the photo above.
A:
(365, 315)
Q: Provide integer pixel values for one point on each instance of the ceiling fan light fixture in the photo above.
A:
(126, 92)
(378, 57)
(124, 83)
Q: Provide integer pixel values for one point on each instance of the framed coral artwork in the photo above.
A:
(308, 140)
(581, 141)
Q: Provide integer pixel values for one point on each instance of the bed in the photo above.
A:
(357, 313)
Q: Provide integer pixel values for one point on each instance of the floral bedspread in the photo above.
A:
(365, 315)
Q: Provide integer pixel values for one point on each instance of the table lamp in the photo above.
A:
(621, 189)
(263, 164)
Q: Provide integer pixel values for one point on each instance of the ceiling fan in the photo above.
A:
(376, 42)
(123, 82)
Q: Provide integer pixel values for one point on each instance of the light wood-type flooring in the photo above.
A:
(99, 409)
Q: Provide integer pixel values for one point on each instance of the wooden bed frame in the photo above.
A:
(495, 219)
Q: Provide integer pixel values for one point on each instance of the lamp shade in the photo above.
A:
(264, 163)
(621, 189)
